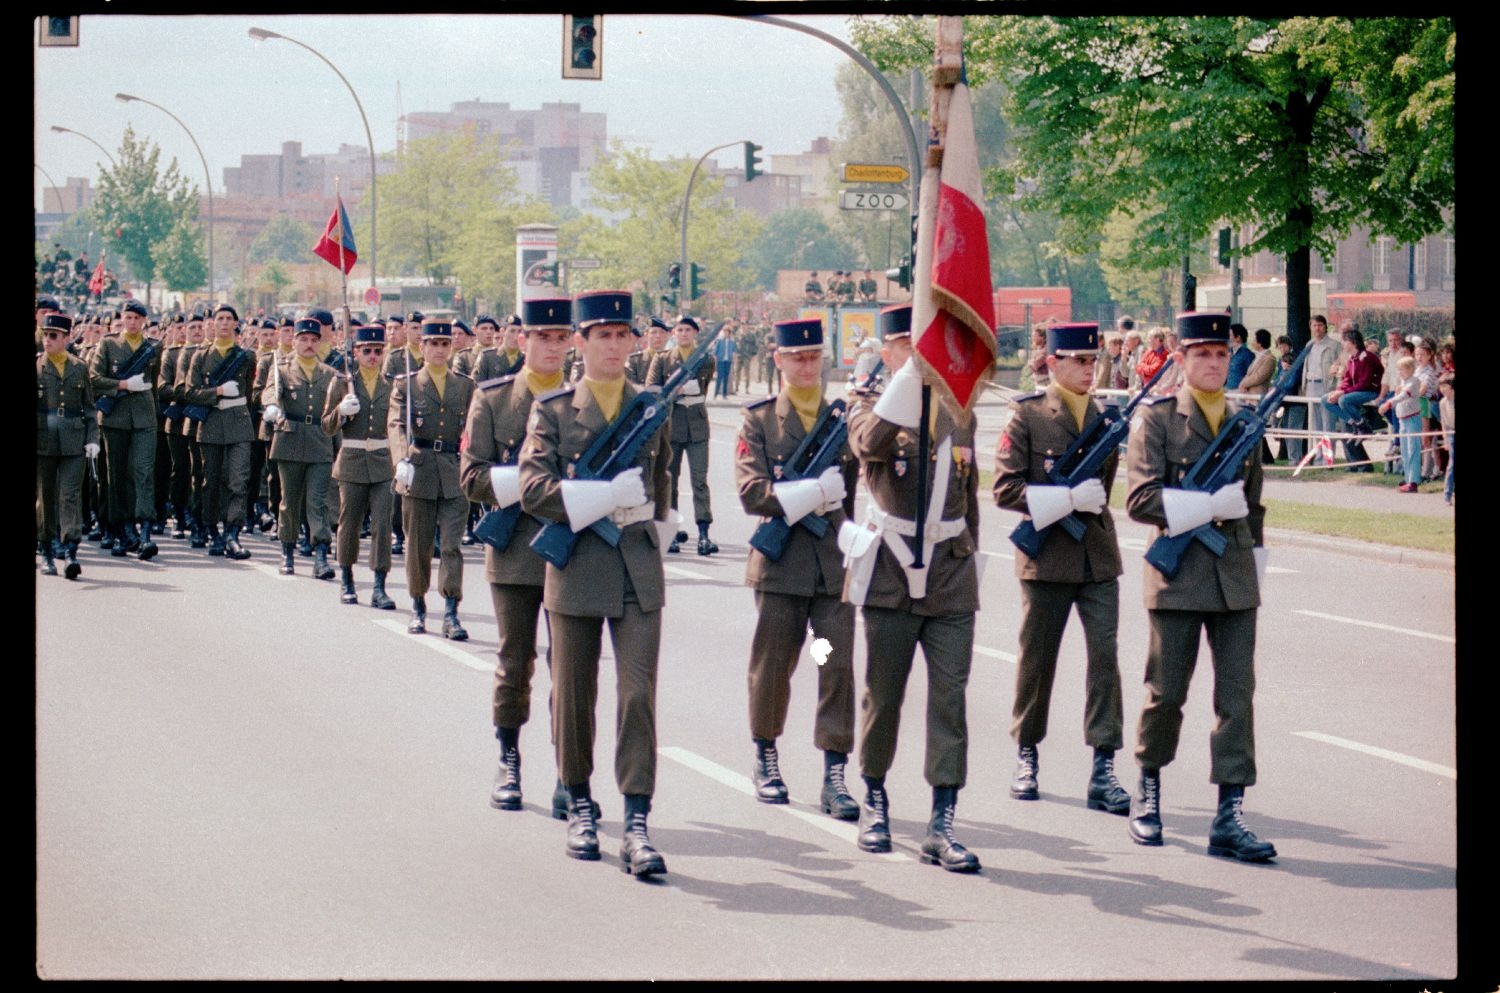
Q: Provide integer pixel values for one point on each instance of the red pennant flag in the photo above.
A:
(96, 281)
(953, 300)
(336, 247)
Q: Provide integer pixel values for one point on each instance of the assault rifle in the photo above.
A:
(223, 374)
(137, 365)
(813, 456)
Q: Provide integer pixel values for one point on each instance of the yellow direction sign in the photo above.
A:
(849, 172)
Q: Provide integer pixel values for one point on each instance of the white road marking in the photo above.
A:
(994, 653)
(681, 573)
(996, 555)
(1383, 753)
(437, 643)
(1380, 627)
(846, 831)
(1274, 569)
(274, 571)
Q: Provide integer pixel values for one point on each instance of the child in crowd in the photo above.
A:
(1445, 408)
(1406, 402)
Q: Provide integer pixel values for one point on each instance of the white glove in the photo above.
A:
(406, 473)
(230, 389)
(798, 497)
(1186, 510)
(91, 450)
(1262, 555)
(628, 488)
(505, 480)
(1048, 504)
(832, 485)
(136, 383)
(588, 500)
(349, 406)
(901, 403)
(1228, 501)
(691, 388)
(271, 414)
(1089, 496)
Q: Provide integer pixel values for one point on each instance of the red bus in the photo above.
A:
(1054, 302)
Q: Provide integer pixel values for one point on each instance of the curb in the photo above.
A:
(1361, 549)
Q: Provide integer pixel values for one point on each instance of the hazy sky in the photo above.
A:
(676, 85)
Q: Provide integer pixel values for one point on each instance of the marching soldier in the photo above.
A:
(197, 524)
(639, 362)
(505, 357)
(426, 423)
(220, 379)
(180, 477)
(803, 587)
(128, 377)
(1217, 594)
(904, 606)
(165, 335)
(295, 396)
(255, 493)
(689, 430)
(623, 584)
(264, 369)
(1066, 573)
(466, 361)
(404, 356)
(357, 409)
(498, 418)
(66, 433)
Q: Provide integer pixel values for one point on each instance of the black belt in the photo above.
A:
(61, 412)
(437, 445)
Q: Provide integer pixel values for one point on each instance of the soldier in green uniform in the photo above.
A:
(505, 357)
(1066, 573)
(294, 398)
(256, 492)
(129, 429)
(490, 474)
(67, 432)
(903, 605)
(264, 369)
(803, 586)
(357, 410)
(1219, 595)
(427, 415)
(198, 526)
(623, 584)
(404, 356)
(218, 383)
(638, 364)
(689, 430)
(179, 462)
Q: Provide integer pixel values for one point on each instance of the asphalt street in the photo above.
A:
(256, 781)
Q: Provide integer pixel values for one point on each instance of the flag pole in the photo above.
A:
(338, 206)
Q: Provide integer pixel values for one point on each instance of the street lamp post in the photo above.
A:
(261, 34)
(207, 177)
(686, 298)
(62, 130)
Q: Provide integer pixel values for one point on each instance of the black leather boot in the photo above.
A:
(215, 541)
(766, 775)
(940, 847)
(73, 570)
(836, 799)
(232, 547)
(304, 541)
(399, 545)
(199, 537)
(120, 547)
(418, 622)
(1145, 811)
(379, 599)
(49, 567)
(1105, 791)
(147, 548)
(583, 831)
(874, 818)
(637, 855)
(288, 564)
(452, 630)
(321, 568)
(705, 544)
(677, 539)
(507, 792)
(1024, 786)
(346, 585)
(561, 800)
(1229, 838)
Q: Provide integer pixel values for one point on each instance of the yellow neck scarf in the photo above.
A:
(285, 349)
(133, 340)
(324, 347)
(308, 365)
(510, 355)
(805, 401)
(684, 352)
(439, 374)
(1213, 406)
(371, 378)
(539, 385)
(1077, 403)
(223, 345)
(608, 394)
(59, 362)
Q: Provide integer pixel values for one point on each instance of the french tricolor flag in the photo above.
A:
(952, 297)
(336, 247)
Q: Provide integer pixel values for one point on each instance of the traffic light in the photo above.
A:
(695, 280)
(674, 275)
(583, 46)
(752, 161)
(901, 274)
(1224, 247)
(669, 301)
(542, 274)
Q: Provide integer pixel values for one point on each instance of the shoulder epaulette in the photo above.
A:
(460, 375)
(561, 391)
(753, 404)
(1153, 401)
(1023, 397)
(489, 384)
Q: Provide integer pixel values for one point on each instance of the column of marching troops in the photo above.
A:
(412, 435)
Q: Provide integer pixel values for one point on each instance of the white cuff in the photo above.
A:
(586, 500)
(1048, 504)
(901, 403)
(1186, 510)
(505, 480)
(798, 498)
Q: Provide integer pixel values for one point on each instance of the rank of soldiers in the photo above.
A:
(557, 441)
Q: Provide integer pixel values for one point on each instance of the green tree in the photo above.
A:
(179, 257)
(138, 205)
(285, 239)
(798, 239)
